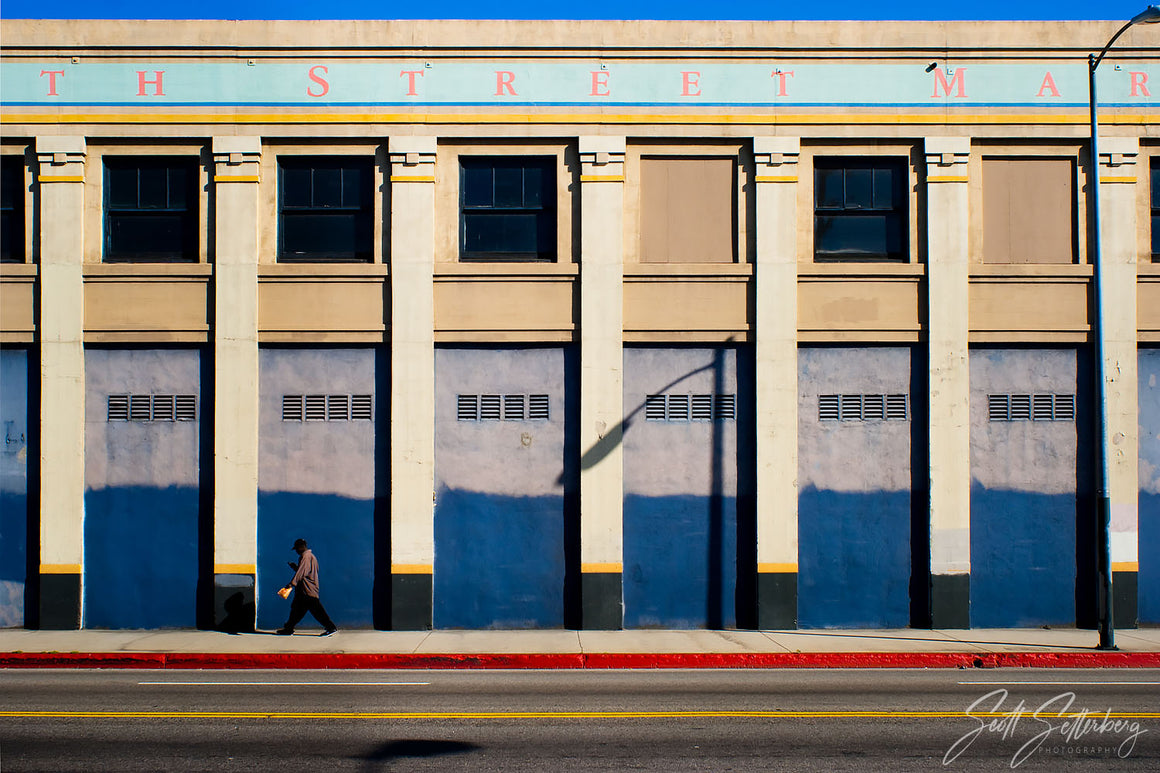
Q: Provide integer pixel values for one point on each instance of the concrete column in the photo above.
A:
(235, 369)
(412, 274)
(776, 374)
(948, 392)
(61, 176)
(602, 381)
(1118, 175)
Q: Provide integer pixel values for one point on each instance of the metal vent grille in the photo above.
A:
(361, 408)
(292, 408)
(142, 408)
(316, 407)
(514, 407)
(682, 408)
(467, 408)
(863, 407)
(538, 407)
(489, 407)
(338, 407)
(1031, 407)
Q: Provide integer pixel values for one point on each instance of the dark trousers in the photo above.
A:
(300, 605)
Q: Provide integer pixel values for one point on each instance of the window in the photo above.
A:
(688, 210)
(151, 209)
(1155, 209)
(12, 209)
(860, 209)
(326, 209)
(507, 208)
(1029, 210)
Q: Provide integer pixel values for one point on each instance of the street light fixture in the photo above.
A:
(1149, 15)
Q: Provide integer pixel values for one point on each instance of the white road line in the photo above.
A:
(1061, 684)
(289, 684)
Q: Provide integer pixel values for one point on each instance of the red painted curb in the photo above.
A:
(320, 660)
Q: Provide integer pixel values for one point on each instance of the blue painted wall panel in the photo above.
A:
(680, 567)
(501, 505)
(1149, 545)
(854, 559)
(142, 503)
(317, 481)
(14, 424)
(854, 500)
(1022, 559)
(340, 532)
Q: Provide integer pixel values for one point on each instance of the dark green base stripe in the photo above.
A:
(411, 602)
(60, 602)
(234, 610)
(950, 601)
(777, 601)
(1125, 595)
(602, 601)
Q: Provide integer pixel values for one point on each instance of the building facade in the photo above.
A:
(575, 324)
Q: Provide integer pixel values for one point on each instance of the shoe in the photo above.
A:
(284, 631)
(329, 632)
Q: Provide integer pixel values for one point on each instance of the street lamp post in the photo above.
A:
(1150, 15)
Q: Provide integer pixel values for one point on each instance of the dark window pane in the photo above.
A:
(8, 242)
(320, 235)
(534, 192)
(295, 186)
(509, 186)
(1156, 234)
(12, 209)
(122, 186)
(10, 182)
(828, 188)
(859, 189)
(477, 187)
(352, 187)
(160, 236)
(154, 188)
(883, 189)
(327, 187)
(179, 179)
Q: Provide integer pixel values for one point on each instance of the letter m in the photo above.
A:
(958, 82)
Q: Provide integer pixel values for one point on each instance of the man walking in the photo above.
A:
(305, 585)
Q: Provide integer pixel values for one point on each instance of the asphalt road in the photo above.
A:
(715, 720)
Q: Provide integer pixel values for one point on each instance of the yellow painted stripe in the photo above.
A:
(947, 178)
(601, 178)
(236, 178)
(61, 568)
(412, 178)
(235, 569)
(1125, 566)
(776, 568)
(411, 569)
(762, 714)
(934, 118)
(61, 178)
(610, 567)
(773, 178)
(1117, 179)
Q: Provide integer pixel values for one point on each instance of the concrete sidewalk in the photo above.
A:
(905, 648)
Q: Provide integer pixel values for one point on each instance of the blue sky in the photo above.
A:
(538, 9)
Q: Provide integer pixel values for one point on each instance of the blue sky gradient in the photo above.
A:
(530, 9)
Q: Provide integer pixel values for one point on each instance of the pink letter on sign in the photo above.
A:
(52, 80)
(1048, 86)
(781, 76)
(958, 82)
(1139, 84)
(411, 81)
(690, 81)
(314, 76)
(505, 81)
(155, 83)
(599, 84)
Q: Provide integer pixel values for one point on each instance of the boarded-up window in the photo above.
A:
(1028, 210)
(688, 210)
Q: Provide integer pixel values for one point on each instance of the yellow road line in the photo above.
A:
(548, 715)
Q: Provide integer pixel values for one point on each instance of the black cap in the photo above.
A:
(299, 543)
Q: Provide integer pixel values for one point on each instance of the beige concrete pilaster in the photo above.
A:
(776, 378)
(412, 355)
(235, 341)
(61, 175)
(949, 429)
(602, 379)
(1118, 174)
